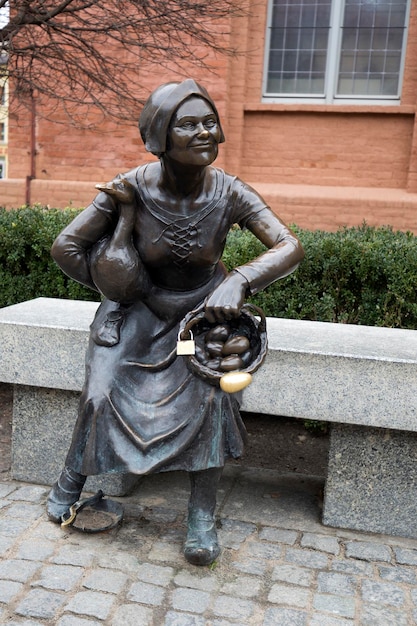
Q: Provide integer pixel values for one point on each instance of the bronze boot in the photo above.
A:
(201, 546)
(64, 493)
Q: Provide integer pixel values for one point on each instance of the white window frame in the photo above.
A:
(332, 65)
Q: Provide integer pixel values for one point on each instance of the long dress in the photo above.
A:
(141, 409)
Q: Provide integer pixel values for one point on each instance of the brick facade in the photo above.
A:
(319, 166)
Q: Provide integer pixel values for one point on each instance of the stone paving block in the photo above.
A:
(45, 529)
(23, 510)
(226, 622)
(284, 617)
(306, 558)
(172, 534)
(164, 552)
(193, 580)
(343, 606)
(9, 528)
(414, 596)
(382, 593)
(296, 597)
(251, 566)
(321, 543)
(161, 514)
(40, 603)
(337, 584)
(278, 535)
(8, 590)
(398, 574)
(24, 622)
(243, 586)
(132, 615)
(173, 618)
(17, 570)
(71, 555)
(155, 574)
(6, 543)
(233, 533)
(6, 489)
(235, 608)
(190, 600)
(35, 550)
(72, 620)
(146, 594)
(119, 560)
(91, 603)
(293, 574)
(320, 619)
(374, 615)
(58, 577)
(405, 556)
(242, 530)
(29, 493)
(368, 551)
(262, 550)
(111, 581)
(351, 566)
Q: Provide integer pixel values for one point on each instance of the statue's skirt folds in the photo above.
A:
(141, 409)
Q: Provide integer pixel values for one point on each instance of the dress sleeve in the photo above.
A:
(284, 252)
(70, 249)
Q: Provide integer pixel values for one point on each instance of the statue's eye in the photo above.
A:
(188, 125)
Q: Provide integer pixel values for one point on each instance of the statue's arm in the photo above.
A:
(283, 256)
(70, 249)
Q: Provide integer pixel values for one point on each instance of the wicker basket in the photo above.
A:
(251, 323)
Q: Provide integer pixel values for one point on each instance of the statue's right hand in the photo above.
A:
(227, 299)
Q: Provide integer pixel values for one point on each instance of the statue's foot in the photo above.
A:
(64, 493)
(201, 546)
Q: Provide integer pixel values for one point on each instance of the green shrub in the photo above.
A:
(360, 275)
(26, 268)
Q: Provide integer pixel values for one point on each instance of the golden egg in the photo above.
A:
(235, 381)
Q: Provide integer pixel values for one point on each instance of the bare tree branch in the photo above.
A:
(82, 53)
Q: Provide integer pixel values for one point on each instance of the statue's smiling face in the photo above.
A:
(194, 133)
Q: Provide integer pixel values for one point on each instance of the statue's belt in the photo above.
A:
(100, 514)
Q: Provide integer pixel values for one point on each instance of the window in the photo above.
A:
(2, 168)
(2, 132)
(335, 50)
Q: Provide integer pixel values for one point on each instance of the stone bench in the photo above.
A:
(361, 379)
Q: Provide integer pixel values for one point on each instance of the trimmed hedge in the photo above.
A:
(362, 275)
(27, 270)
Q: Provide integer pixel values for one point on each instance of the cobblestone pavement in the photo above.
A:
(279, 566)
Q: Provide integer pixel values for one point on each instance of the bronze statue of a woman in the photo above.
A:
(151, 243)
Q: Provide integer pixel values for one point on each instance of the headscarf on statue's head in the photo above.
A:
(160, 107)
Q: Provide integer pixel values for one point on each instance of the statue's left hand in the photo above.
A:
(227, 299)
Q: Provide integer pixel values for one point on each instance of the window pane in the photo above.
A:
(371, 49)
(298, 46)
(366, 59)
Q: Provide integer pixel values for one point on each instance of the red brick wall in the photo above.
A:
(328, 164)
(365, 150)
